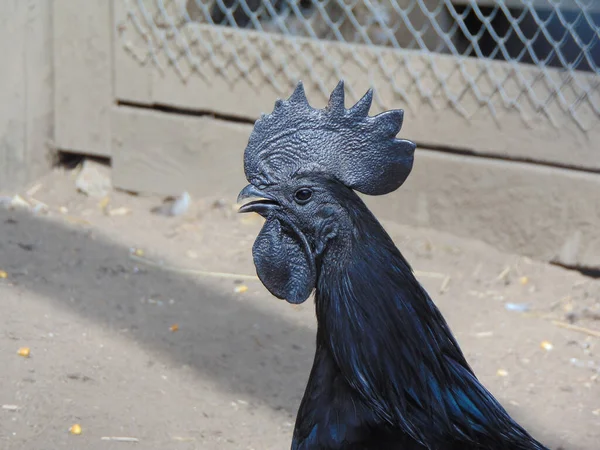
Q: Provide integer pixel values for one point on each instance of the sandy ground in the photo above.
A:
(104, 354)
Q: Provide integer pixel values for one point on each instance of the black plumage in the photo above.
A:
(388, 373)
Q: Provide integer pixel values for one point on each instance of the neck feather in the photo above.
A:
(396, 351)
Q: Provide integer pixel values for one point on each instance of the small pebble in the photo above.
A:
(482, 334)
(220, 203)
(174, 206)
(519, 307)
(18, 202)
(122, 211)
(10, 407)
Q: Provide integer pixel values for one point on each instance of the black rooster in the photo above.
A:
(388, 373)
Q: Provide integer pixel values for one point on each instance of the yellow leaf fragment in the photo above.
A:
(75, 429)
(241, 288)
(103, 204)
(138, 252)
(24, 352)
(183, 439)
(77, 220)
(502, 373)
(3, 275)
(546, 345)
(174, 327)
(524, 280)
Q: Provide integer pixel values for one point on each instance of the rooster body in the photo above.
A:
(388, 373)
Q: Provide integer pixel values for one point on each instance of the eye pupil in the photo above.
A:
(303, 194)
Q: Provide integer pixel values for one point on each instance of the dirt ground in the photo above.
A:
(129, 338)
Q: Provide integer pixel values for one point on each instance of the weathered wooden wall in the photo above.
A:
(26, 90)
(433, 121)
(548, 213)
(83, 72)
(529, 208)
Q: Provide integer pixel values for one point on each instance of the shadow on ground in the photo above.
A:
(241, 349)
(238, 346)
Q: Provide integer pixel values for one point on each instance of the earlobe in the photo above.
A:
(326, 232)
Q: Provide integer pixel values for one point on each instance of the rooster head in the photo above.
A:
(303, 165)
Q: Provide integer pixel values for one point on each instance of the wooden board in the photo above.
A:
(26, 101)
(83, 75)
(168, 154)
(546, 213)
(240, 76)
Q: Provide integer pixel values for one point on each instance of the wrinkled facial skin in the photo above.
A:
(303, 219)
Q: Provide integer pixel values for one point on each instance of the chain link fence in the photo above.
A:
(539, 57)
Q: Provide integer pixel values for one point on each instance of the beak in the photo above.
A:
(262, 206)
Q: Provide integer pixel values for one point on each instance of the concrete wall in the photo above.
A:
(26, 90)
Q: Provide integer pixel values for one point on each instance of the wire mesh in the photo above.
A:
(538, 57)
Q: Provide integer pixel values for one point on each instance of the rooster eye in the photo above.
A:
(303, 195)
